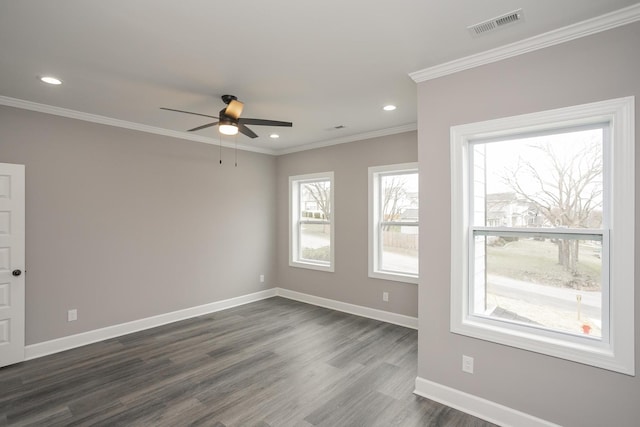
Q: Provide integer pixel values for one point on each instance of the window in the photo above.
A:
(542, 232)
(393, 222)
(311, 221)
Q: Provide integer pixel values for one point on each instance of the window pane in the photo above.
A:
(399, 249)
(399, 197)
(551, 283)
(315, 200)
(552, 180)
(315, 242)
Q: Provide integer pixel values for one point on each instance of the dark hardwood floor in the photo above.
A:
(273, 363)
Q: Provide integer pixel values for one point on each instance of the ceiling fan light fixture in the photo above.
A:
(228, 128)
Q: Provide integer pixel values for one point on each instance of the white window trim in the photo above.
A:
(616, 355)
(374, 271)
(294, 217)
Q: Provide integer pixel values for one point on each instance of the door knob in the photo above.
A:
(16, 273)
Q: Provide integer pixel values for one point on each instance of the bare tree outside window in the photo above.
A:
(394, 197)
(319, 193)
(567, 192)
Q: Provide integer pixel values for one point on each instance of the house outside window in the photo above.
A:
(311, 228)
(393, 222)
(542, 232)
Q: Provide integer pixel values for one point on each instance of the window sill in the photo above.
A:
(312, 266)
(583, 350)
(396, 277)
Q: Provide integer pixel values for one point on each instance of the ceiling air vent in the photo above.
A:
(497, 22)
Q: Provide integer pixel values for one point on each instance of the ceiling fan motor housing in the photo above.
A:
(228, 98)
(226, 119)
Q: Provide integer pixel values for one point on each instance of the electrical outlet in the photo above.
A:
(72, 315)
(385, 296)
(467, 364)
(262, 278)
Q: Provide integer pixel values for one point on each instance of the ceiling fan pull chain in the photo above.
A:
(235, 140)
(220, 139)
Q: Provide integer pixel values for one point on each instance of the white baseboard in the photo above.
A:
(46, 348)
(34, 351)
(477, 406)
(358, 310)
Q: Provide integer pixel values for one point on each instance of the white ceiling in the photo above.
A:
(318, 64)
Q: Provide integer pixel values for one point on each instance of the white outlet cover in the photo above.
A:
(467, 364)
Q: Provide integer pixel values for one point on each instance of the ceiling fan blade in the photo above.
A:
(234, 109)
(188, 112)
(246, 131)
(263, 122)
(208, 125)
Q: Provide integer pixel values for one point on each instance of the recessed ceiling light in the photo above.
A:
(274, 136)
(50, 80)
(389, 107)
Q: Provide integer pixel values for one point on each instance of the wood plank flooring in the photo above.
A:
(270, 363)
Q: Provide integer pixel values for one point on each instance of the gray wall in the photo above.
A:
(124, 225)
(595, 68)
(350, 282)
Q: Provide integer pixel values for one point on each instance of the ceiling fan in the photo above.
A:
(230, 122)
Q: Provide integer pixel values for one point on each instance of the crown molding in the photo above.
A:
(351, 138)
(103, 120)
(94, 118)
(575, 31)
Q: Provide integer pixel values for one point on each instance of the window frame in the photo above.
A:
(375, 175)
(296, 221)
(616, 349)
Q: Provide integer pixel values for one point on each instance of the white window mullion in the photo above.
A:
(379, 248)
(606, 288)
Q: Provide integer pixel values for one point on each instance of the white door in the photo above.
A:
(11, 263)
